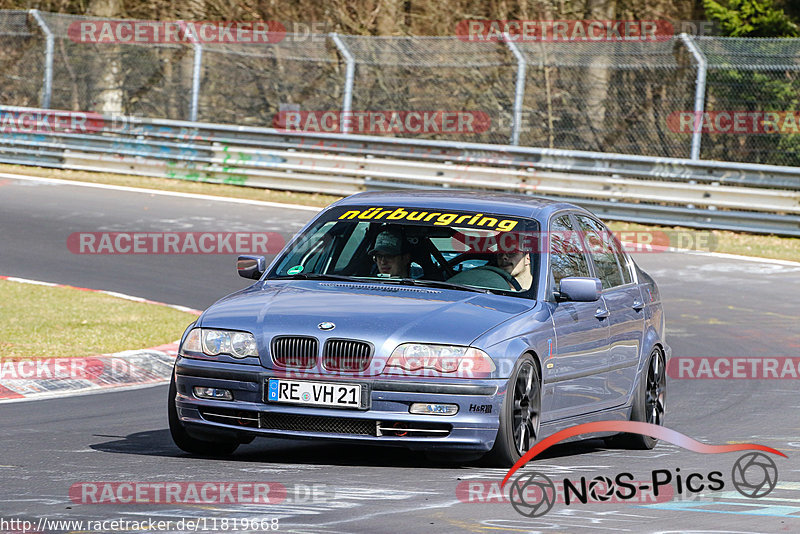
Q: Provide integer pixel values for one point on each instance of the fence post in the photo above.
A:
(348, 81)
(197, 63)
(699, 93)
(196, 69)
(519, 89)
(47, 89)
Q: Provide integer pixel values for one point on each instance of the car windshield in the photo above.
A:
(417, 246)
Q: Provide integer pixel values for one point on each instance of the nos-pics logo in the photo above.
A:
(533, 494)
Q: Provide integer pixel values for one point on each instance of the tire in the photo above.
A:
(648, 403)
(520, 415)
(187, 443)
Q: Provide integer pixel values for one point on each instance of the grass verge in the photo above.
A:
(55, 322)
(762, 246)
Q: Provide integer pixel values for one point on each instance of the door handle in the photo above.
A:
(638, 305)
(602, 313)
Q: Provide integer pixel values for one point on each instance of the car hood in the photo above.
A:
(383, 314)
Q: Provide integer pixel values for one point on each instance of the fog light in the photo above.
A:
(421, 408)
(212, 393)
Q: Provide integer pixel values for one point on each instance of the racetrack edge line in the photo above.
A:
(196, 196)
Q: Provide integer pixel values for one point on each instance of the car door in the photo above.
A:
(623, 301)
(575, 370)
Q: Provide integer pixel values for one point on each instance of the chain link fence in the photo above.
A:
(754, 76)
(607, 96)
(22, 55)
(670, 97)
(424, 74)
(250, 84)
(143, 79)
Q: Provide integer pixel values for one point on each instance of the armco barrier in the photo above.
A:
(707, 194)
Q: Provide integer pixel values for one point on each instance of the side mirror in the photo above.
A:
(580, 289)
(251, 267)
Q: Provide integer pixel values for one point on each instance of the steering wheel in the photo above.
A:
(508, 278)
(473, 276)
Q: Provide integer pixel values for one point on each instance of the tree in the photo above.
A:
(736, 89)
(750, 18)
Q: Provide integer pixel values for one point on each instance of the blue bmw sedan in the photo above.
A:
(450, 322)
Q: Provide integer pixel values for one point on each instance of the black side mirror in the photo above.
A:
(251, 267)
(580, 289)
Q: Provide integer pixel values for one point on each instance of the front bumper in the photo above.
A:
(385, 421)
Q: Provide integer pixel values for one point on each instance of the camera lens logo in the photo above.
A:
(754, 475)
(601, 489)
(532, 494)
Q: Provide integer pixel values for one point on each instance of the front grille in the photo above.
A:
(295, 351)
(314, 423)
(346, 355)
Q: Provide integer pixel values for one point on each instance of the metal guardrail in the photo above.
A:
(707, 194)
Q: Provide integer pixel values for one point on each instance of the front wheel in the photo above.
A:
(648, 403)
(520, 415)
(187, 443)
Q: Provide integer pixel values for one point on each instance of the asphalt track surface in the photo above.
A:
(715, 307)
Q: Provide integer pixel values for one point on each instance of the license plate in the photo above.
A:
(314, 393)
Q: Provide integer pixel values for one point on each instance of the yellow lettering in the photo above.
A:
(506, 225)
(446, 218)
(349, 214)
(368, 215)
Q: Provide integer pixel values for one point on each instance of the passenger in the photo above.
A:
(391, 254)
(517, 264)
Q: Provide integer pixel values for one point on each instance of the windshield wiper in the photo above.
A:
(402, 281)
(436, 283)
(318, 276)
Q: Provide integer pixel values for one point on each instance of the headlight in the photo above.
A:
(418, 358)
(214, 342)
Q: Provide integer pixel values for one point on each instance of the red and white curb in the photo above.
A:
(32, 378)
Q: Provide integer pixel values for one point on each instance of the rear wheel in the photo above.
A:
(649, 403)
(520, 415)
(186, 442)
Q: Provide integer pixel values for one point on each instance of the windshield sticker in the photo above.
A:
(438, 218)
(295, 270)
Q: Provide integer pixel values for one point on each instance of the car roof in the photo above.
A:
(455, 199)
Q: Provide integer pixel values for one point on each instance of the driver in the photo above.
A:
(391, 254)
(517, 264)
